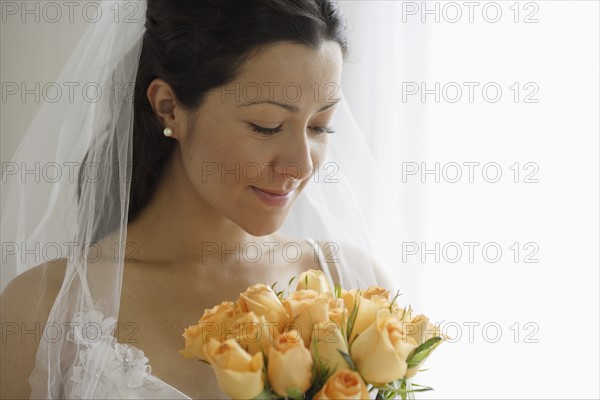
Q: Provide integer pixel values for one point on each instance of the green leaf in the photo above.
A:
(394, 301)
(316, 350)
(399, 388)
(305, 281)
(337, 290)
(267, 393)
(320, 374)
(352, 316)
(291, 280)
(295, 394)
(422, 386)
(343, 326)
(348, 359)
(264, 395)
(420, 353)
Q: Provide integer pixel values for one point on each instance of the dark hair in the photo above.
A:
(198, 45)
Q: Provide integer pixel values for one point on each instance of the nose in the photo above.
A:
(295, 157)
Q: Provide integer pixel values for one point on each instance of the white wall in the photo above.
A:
(556, 354)
(33, 50)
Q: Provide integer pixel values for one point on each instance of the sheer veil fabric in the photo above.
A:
(82, 214)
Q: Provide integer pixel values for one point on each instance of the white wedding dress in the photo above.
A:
(125, 374)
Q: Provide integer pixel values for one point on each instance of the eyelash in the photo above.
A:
(272, 131)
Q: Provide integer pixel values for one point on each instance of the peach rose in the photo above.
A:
(252, 332)
(262, 300)
(326, 340)
(305, 308)
(239, 375)
(381, 350)
(344, 384)
(290, 364)
(338, 312)
(420, 330)
(369, 303)
(376, 291)
(314, 279)
(211, 324)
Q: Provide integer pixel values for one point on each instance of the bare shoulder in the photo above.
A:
(32, 293)
(24, 307)
(47, 276)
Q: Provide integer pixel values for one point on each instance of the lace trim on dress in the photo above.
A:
(115, 366)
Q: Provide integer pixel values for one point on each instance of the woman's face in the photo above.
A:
(266, 131)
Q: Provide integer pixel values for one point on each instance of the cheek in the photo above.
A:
(219, 156)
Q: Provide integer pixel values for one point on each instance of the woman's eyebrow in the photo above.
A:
(289, 107)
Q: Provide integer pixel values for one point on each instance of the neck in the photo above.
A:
(178, 226)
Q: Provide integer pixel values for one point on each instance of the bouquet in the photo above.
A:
(314, 343)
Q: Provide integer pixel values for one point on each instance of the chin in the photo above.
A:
(262, 230)
(263, 227)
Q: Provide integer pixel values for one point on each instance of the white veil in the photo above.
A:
(79, 209)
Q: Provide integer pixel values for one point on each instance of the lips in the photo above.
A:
(274, 192)
(273, 198)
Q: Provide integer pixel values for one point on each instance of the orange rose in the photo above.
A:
(252, 332)
(369, 303)
(262, 300)
(338, 312)
(381, 350)
(305, 308)
(210, 325)
(314, 279)
(239, 374)
(420, 330)
(344, 384)
(290, 364)
(325, 344)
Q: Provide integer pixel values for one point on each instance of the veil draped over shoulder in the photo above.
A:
(79, 211)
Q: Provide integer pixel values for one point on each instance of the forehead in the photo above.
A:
(279, 70)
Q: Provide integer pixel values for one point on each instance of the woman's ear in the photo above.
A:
(164, 103)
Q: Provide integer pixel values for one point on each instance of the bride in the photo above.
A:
(205, 190)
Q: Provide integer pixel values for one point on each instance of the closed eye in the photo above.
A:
(320, 129)
(265, 131)
(271, 131)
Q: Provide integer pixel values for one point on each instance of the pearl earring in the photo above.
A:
(168, 132)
